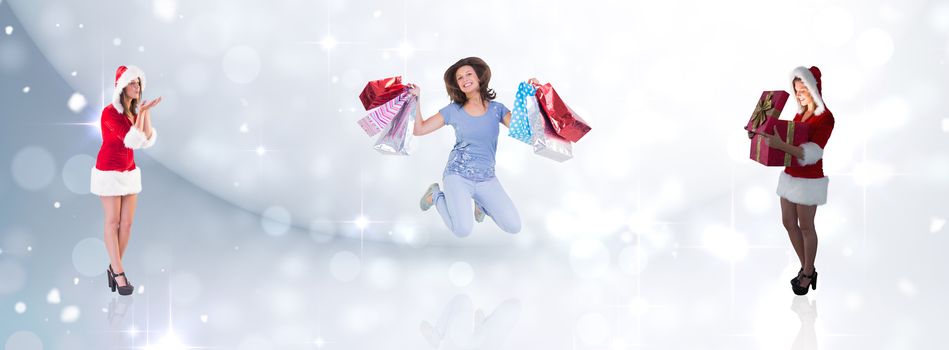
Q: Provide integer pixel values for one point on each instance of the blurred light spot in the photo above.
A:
(405, 50)
(936, 224)
(362, 222)
(907, 288)
(328, 43)
(69, 314)
(53, 296)
(165, 9)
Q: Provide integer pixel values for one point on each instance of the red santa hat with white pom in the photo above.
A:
(123, 77)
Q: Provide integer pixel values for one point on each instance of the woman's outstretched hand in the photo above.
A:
(146, 105)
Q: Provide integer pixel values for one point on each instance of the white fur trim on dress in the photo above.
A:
(811, 83)
(131, 73)
(803, 191)
(812, 153)
(115, 183)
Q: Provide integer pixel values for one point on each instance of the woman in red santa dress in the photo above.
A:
(126, 125)
(803, 188)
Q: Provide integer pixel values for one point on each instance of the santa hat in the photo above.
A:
(123, 77)
(811, 79)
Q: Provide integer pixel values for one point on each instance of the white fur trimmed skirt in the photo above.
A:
(115, 183)
(803, 191)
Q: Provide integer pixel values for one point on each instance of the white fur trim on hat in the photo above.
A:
(812, 153)
(131, 73)
(803, 191)
(811, 83)
(115, 183)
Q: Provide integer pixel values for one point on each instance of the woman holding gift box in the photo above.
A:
(803, 188)
(126, 125)
(469, 173)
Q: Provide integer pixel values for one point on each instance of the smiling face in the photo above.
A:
(467, 80)
(802, 93)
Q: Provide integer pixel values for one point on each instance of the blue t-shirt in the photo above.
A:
(476, 140)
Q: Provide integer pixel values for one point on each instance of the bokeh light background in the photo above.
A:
(268, 222)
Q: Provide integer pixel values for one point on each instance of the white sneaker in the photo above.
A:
(479, 213)
(428, 199)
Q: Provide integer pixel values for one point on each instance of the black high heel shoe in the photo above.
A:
(127, 289)
(108, 275)
(797, 278)
(796, 287)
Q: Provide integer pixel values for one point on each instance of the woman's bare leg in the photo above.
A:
(789, 217)
(125, 221)
(806, 214)
(112, 206)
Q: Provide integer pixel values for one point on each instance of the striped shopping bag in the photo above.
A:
(380, 117)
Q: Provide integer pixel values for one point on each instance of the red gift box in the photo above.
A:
(564, 120)
(764, 120)
(770, 105)
(794, 133)
(378, 92)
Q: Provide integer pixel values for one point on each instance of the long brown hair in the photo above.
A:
(132, 105)
(484, 77)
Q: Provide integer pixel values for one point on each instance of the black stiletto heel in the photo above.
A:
(108, 275)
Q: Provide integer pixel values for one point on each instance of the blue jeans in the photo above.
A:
(454, 204)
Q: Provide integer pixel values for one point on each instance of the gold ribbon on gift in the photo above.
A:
(790, 141)
(758, 141)
(764, 107)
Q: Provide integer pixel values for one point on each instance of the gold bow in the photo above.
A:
(764, 107)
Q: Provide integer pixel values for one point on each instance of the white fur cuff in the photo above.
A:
(151, 142)
(812, 153)
(134, 138)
